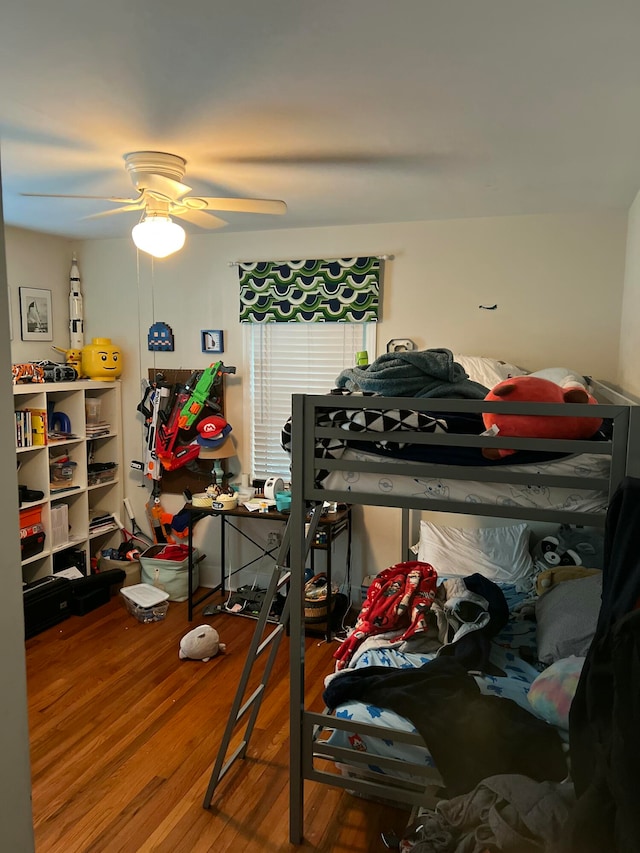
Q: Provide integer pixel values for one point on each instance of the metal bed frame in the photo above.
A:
(306, 727)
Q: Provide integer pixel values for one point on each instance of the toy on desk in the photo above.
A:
(202, 643)
(101, 360)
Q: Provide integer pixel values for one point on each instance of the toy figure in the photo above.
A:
(536, 390)
(203, 643)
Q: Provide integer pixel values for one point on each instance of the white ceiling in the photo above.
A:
(352, 111)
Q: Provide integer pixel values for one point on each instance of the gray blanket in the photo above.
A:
(421, 373)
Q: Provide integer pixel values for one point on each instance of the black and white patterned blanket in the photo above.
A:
(355, 421)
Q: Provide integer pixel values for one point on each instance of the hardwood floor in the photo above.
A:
(124, 736)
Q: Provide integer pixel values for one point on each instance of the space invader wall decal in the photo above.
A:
(160, 338)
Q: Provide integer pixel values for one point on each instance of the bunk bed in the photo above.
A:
(354, 476)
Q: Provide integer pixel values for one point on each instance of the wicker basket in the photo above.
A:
(315, 598)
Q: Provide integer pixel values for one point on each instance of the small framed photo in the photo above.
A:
(35, 314)
(212, 340)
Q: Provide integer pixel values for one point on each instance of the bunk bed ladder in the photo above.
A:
(279, 580)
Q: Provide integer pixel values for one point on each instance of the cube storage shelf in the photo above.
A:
(59, 468)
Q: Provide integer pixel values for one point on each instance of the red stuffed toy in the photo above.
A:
(532, 389)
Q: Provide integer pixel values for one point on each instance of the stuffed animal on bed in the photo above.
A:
(203, 643)
(535, 389)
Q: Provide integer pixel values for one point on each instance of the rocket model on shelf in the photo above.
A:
(76, 321)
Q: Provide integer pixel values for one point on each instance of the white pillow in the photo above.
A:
(488, 371)
(499, 553)
(562, 376)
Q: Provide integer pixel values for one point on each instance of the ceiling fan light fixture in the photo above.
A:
(158, 235)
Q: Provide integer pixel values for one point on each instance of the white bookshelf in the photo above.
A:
(82, 499)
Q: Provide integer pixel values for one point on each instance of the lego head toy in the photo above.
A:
(101, 360)
(536, 390)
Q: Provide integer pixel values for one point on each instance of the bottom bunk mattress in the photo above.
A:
(584, 465)
(513, 683)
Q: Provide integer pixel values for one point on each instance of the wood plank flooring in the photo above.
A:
(124, 736)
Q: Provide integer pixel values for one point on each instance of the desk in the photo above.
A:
(330, 527)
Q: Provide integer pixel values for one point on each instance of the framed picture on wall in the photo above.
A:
(212, 340)
(35, 314)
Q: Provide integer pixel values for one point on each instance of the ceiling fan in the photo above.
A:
(157, 178)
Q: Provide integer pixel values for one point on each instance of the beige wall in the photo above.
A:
(629, 375)
(41, 261)
(557, 281)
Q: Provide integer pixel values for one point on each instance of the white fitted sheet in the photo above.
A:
(477, 491)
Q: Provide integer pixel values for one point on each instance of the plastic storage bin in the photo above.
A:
(93, 407)
(61, 474)
(146, 603)
(170, 575)
(101, 472)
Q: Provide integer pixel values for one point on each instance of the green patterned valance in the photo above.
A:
(344, 290)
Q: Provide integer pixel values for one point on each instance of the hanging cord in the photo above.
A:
(142, 336)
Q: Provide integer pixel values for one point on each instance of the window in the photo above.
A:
(293, 358)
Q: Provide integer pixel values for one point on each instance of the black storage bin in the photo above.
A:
(94, 590)
(86, 601)
(46, 602)
(32, 544)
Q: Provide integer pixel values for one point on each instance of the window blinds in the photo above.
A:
(297, 358)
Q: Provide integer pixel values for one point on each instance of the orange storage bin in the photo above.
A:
(30, 516)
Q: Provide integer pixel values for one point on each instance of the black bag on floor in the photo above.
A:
(46, 602)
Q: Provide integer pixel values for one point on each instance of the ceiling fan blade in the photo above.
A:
(198, 217)
(238, 205)
(330, 158)
(114, 199)
(126, 209)
(166, 187)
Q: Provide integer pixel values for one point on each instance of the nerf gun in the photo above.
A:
(151, 407)
(170, 456)
(200, 394)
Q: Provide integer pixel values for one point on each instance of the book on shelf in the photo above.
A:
(24, 437)
(101, 522)
(98, 430)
